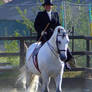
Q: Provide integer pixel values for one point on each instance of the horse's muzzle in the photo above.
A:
(63, 57)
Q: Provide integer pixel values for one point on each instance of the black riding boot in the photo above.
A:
(69, 57)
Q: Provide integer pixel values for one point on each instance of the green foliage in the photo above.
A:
(69, 0)
(77, 1)
(1, 2)
(41, 0)
(12, 47)
(61, 15)
(26, 21)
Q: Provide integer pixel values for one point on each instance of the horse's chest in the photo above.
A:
(54, 69)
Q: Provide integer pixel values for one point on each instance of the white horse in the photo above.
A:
(50, 58)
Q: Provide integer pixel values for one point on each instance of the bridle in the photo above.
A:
(57, 42)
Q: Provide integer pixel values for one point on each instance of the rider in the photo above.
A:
(42, 20)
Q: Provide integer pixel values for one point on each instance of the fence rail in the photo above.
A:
(21, 53)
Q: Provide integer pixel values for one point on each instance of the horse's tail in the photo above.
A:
(21, 77)
(28, 79)
(25, 45)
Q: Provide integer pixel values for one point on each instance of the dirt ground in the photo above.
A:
(8, 83)
(69, 85)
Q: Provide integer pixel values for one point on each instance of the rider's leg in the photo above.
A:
(70, 62)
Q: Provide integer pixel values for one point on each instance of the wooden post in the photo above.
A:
(87, 56)
(22, 54)
(72, 39)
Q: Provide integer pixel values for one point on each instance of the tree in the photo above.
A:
(1, 2)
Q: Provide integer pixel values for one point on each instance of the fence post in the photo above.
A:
(22, 54)
(87, 56)
(72, 39)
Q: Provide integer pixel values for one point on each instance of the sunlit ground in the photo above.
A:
(74, 82)
(69, 85)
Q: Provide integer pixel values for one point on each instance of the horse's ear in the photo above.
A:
(69, 31)
(59, 30)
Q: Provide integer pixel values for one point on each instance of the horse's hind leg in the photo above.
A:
(28, 79)
(31, 82)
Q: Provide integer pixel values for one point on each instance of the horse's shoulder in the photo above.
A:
(34, 44)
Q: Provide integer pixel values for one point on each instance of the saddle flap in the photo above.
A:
(34, 56)
(36, 50)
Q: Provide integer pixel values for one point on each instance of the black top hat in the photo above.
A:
(47, 2)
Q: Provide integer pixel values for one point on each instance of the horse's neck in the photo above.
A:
(52, 41)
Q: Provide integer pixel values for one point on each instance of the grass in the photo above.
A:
(14, 73)
(73, 74)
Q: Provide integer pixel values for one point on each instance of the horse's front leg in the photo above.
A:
(45, 82)
(58, 79)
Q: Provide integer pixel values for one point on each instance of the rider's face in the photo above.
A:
(48, 7)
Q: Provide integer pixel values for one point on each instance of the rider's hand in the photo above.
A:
(43, 33)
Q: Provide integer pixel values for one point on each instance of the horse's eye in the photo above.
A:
(59, 42)
(58, 30)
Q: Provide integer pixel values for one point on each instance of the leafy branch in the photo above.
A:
(25, 21)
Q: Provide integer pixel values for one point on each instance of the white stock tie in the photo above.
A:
(49, 14)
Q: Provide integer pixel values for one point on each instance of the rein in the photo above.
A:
(52, 49)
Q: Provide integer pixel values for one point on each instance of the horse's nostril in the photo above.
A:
(63, 57)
